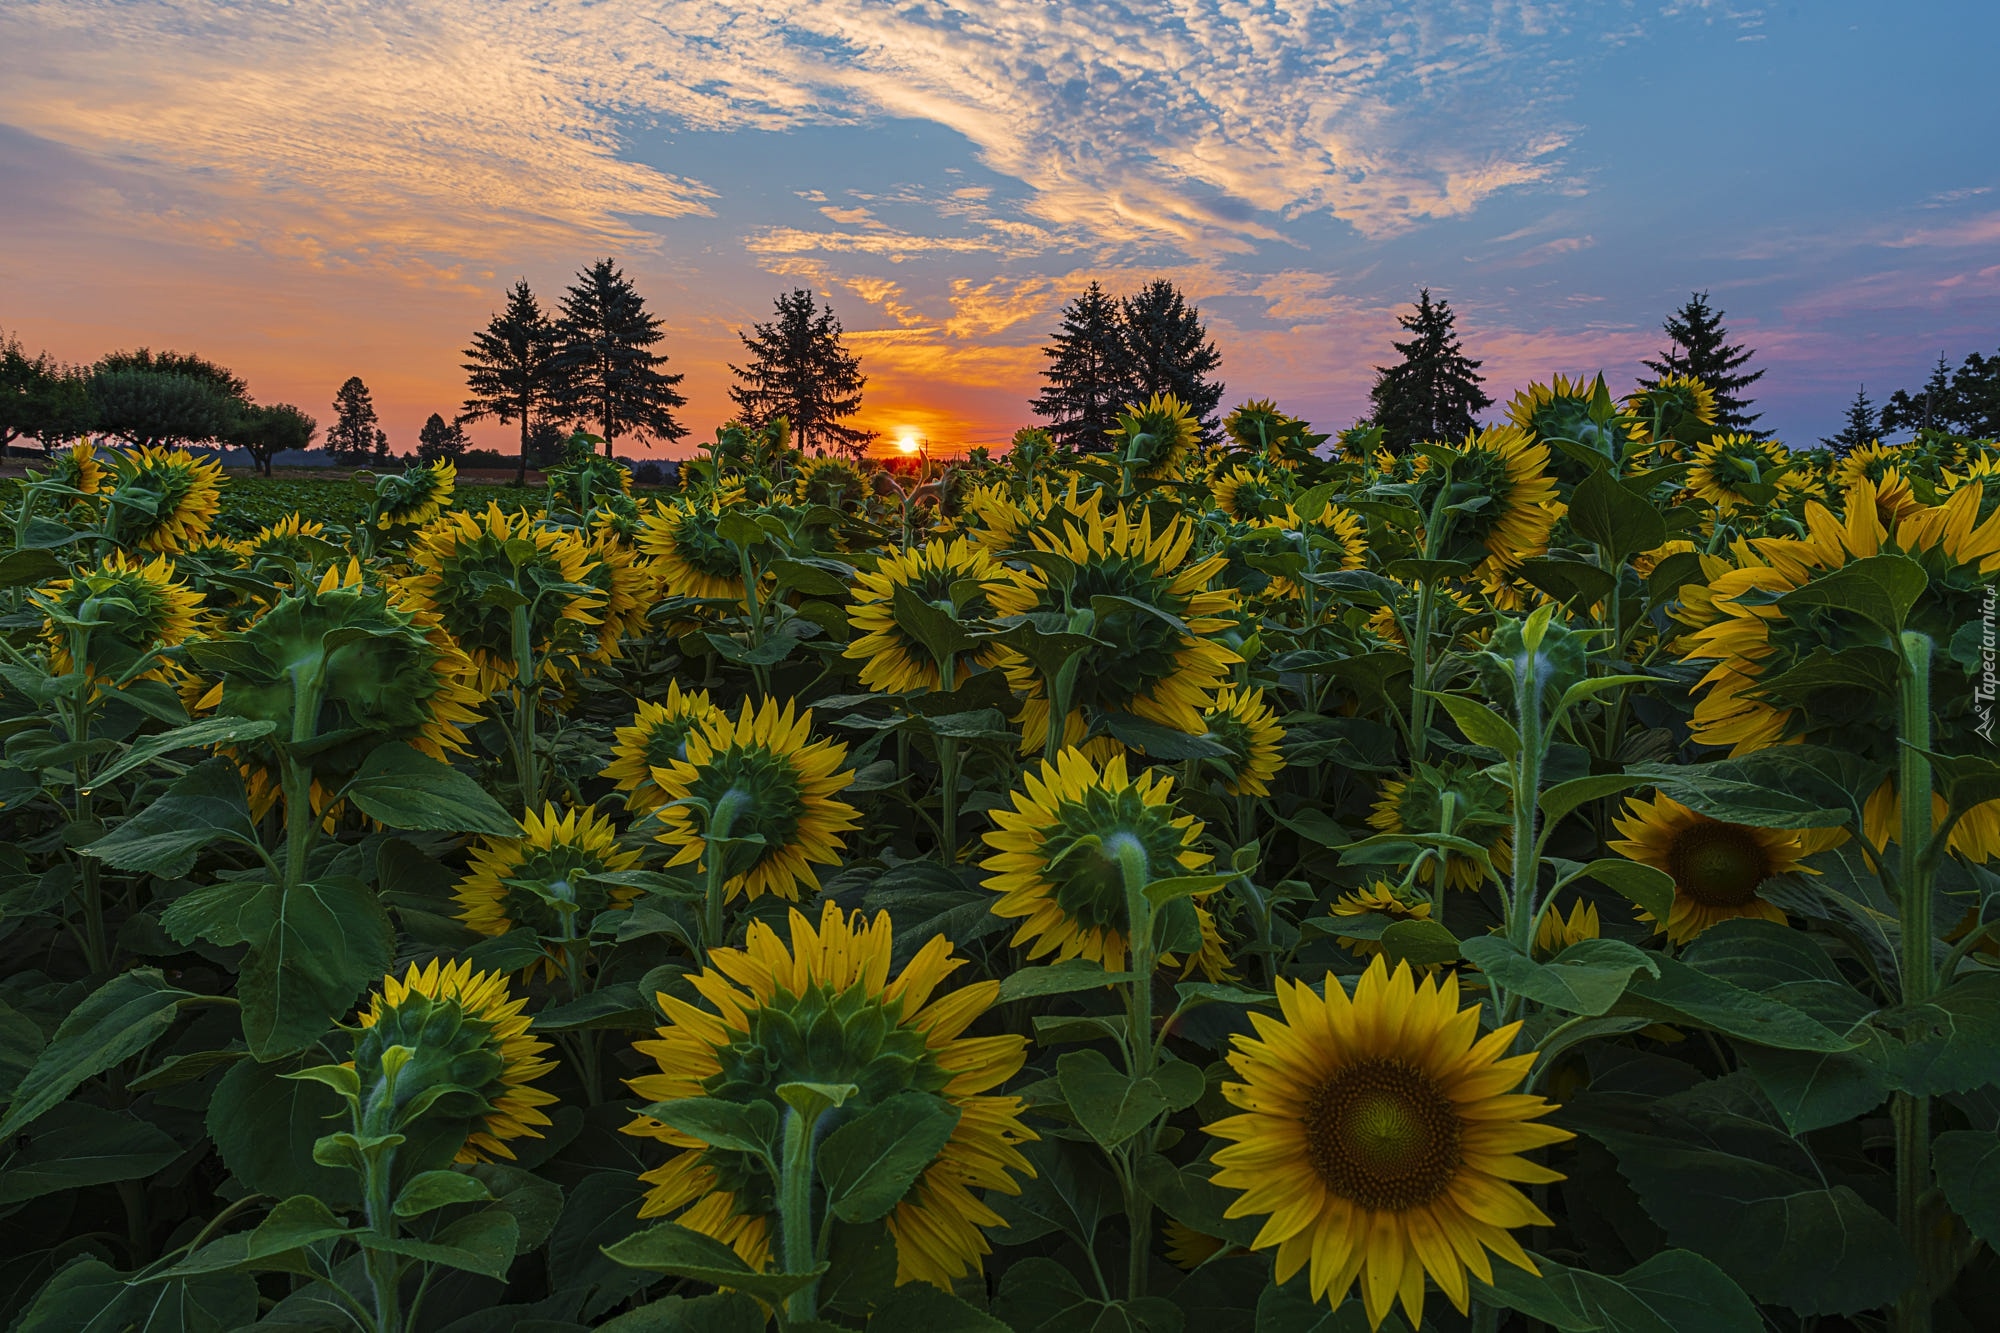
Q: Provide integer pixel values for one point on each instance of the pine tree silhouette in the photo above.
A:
(801, 371)
(1433, 393)
(1700, 347)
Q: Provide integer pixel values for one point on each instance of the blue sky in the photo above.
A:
(312, 192)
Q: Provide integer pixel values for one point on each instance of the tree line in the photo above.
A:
(594, 361)
(147, 397)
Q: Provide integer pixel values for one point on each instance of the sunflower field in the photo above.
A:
(1540, 881)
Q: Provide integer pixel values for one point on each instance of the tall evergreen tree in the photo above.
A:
(511, 371)
(441, 439)
(1927, 409)
(608, 371)
(1167, 350)
(356, 435)
(799, 370)
(1700, 347)
(1859, 428)
(1088, 372)
(1967, 403)
(1433, 393)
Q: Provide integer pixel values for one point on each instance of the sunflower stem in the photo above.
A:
(1521, 905)
(1420, 633)
(96, 945)
(1135, 869)
(948, 757)
(384, 1268)
(1912, 1114)
(527, 766)
(795, 1211)
(715, 855)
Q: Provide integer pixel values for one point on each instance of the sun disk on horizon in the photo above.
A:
(909, 442)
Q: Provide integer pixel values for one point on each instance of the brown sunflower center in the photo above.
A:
(1718, 864)
(1383, 1135)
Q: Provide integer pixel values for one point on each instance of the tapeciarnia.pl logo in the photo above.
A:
(1983, 689)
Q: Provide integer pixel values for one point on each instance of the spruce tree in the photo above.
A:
(511, 369)
(1860, 427)
(1700, 347)
(608, 372)
(356, 435)
(1167, 350)
(1088, 373)
(1433, 393)
(1927, 409)
(441, 439)
(799, 370)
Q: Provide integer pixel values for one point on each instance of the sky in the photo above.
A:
(305, 190)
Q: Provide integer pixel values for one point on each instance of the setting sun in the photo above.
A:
(909, 442)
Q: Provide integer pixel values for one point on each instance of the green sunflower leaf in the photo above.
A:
(935, 628)
(77, 1145)
(1683, 994)
(1967, 1165)
(1586, 978)
(1063, 978)
(313, 950)
(1879, 588)
(869, 1164)
(1111, 1105)
(1750, 1197)
(407, 789)
(115, 1022)
(1614, 518)
(483, 1243)
(1648, 886)
(674, 1249)
(750, 1127)
(1559, 800)
(1671, 1292)
(1418, 943)
(1481, 725)
(208, 731)
(205, 806)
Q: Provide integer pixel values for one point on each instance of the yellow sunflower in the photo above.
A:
(689, 558)
(1241, 720)
(416, 495)
(1743, 629)
(1380, 1136)
(127, 609)
(1157, 435)
(1728, 462)
(1242, 494)
(657, 736)
(1717, 867)
(545, 875)
(458, 560)
(462, 1028)
(834, 482)
(1673, 412)
(1381, 898)
(1057, 854)
(1482, 812)
(885, 1035)
(388, 672)
(186, 494)
(1568, 409)
(1555, 932)
(1188, 1249)
(79, 468)
(779, 784)
(1338, 539)
(1505, 465)
(627, 586)
(1149, 666)
(944, 573)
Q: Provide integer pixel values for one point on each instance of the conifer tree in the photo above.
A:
(441, 439)
(1927, 409)
(608, 372)
(1963, 402)
(1087, 373)
(800, 370)
(1860, 427)
(511, 370)
(1700, 347)
(356, 434)
(1433, 393)
(1167, 350)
